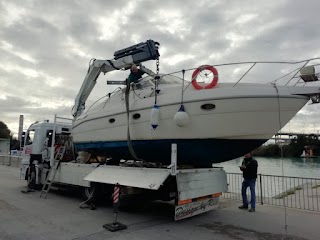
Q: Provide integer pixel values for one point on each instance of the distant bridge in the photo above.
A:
(297, 134)
(288, 136)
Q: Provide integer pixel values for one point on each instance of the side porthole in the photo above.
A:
(112, 120)
(208, 106)
(136, 116)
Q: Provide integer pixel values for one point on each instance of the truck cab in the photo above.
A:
(39, 148)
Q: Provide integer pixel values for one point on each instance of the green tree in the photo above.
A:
(14, 143)
(294, 149)
(6, 133)
(271, 150)
(4, 130)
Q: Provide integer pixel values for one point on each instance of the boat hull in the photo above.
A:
(191, 152)
(240, 120)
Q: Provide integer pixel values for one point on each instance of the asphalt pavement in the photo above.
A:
(27, 216)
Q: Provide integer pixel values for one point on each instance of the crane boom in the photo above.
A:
(123, 59)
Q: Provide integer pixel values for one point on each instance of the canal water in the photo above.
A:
(298, 173)
(292, 167)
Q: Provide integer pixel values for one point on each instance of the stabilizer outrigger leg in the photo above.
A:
(315, 99)
(31, 178)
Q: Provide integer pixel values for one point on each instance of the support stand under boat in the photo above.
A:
(173, 165)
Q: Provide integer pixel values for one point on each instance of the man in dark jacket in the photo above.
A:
(249, 168)
(135, 74)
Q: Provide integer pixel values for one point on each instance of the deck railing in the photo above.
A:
(292, 192)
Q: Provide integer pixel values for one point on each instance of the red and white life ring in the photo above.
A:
(214, 81)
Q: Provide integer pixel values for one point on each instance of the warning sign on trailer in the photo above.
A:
(195, 208)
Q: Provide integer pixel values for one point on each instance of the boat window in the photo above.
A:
(144, 83)
(164, 79)
(208, 106)
(136, 116)
(170, 79)
(112, 120)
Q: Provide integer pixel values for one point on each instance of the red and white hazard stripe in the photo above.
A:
(116, 194)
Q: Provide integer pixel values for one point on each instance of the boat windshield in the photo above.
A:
(164, 79)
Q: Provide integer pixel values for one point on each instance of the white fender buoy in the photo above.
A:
(181, 117)
(155, 116)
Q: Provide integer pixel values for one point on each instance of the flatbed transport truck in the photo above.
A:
(48, 159)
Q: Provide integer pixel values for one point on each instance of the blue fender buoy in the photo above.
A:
(155, 116)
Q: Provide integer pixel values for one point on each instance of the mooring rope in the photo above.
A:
(282, 165)
(131, 150)
(182, 90)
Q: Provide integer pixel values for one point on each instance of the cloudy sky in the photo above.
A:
(45, 46)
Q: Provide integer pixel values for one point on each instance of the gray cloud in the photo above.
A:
(45, 47)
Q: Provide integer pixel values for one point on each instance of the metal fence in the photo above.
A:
(9, 160)
(292, 192)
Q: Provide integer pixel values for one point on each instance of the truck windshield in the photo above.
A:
(30, 137)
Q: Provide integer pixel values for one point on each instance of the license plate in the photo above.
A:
(195, 208)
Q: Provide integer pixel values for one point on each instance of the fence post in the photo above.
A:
(261, 195)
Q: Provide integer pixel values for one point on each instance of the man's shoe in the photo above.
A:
(252, 210)
(243, 207)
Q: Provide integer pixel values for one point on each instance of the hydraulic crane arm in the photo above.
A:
(123, 59)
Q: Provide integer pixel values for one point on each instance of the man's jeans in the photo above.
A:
(252, 184)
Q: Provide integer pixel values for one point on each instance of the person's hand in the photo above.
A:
(242, 167)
